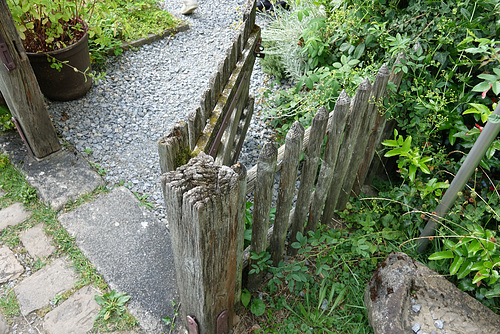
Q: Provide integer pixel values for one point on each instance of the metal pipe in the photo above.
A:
(484, 141)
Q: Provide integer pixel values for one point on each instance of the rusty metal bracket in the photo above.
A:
(192, 325)
(258, 49)
(222, 325)
(5, 55)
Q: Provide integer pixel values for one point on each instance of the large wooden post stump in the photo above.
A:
(21, 91)
(202, 202)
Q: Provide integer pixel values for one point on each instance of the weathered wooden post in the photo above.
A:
(336, 125)
(266, 170)
(298, 217)
(202, 202)
(21, 91)
(286, 190)
(357, 109)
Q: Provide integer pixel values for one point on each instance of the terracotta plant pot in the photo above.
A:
(66, 84)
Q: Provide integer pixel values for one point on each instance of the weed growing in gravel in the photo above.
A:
(9, 305)
(170, 322)
(113, 314)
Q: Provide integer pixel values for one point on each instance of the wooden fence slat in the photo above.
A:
(202, 201)
(286, 189)
(336, 125)
(214, 83)
(266, 167)
(241, 133)
(252, 173)
(377, 127)
(206, 103)
(358, 106)
(386, 130)
(241, 170)
(196, 122)
(174, 147)
(378, 90)
(308, 175)
(215, 121)
(227, 142)
(22, 93)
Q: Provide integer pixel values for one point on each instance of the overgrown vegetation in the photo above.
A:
(117, 21)
(450, 87)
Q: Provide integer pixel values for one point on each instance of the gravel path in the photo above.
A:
(119, 122)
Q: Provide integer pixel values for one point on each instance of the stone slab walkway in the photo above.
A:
(37, 290)
(127, 244)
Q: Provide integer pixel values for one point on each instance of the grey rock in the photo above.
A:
(10, 268)
(388, 297)
(75, 315)
(416, 308)
(36, 242)
(438, 324)
(416, 327)
(61, 176)
(13, 215)
(55, 278)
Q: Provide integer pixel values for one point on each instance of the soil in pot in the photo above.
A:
(66, 84)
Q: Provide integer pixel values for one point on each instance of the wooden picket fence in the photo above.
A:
(205, 198)
(218, 126)
(206, 201)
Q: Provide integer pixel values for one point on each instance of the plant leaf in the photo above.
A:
(441, 255)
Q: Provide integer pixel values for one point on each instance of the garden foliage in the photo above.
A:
(450, 87)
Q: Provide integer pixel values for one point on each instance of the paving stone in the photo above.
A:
(75, 315)
(10, 268)
(55, 278)
(36, 242)
(59, 177)
(4, 328)
(13, 215)
(131, 249)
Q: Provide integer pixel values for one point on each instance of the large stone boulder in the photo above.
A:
(404, 296)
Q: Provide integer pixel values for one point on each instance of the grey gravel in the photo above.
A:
(145, 92)
(416, 327)
(438, 324)
(416, 308)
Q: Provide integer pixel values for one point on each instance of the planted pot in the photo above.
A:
(68, 83)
